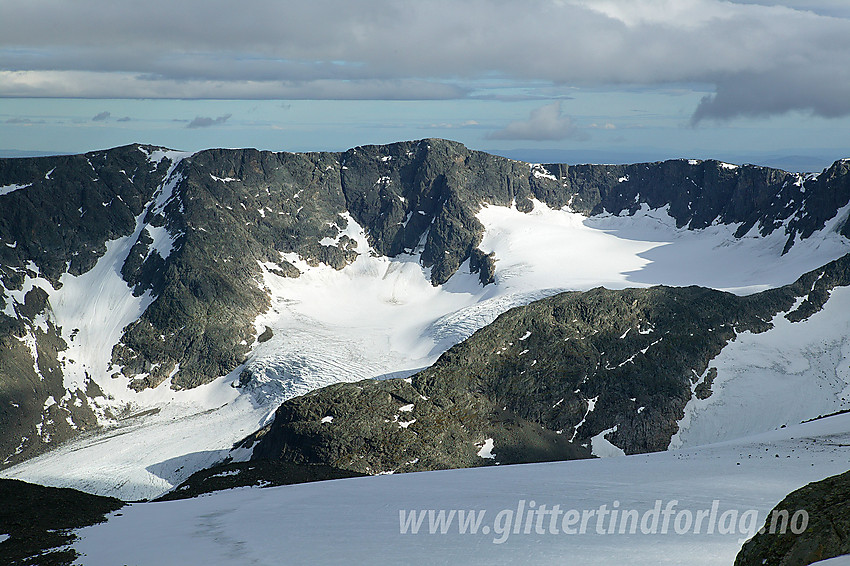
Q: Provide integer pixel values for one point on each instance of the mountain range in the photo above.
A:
(169, 319)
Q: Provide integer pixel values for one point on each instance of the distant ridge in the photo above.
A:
(18, 153)
(787, 161)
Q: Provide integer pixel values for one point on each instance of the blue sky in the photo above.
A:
(603, 80)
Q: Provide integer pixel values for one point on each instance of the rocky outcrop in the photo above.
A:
(230, 212)
(35, 407)
(40, 521)
(789, 540)
(700, 193)
(259, 473)
(58, 219)
(386, 426)
(66, 208)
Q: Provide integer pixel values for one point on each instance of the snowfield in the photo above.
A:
(381, 317)
(794, 372)
(357, 521)
(549, 248)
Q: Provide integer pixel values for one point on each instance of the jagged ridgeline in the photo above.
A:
(195, 229)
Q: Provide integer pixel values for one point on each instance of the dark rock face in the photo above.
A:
(539, 382)
(258, 473)
(388, 426)
(70, 207)
(430, 188)
(702, 192)
(35, 408)
(59, 223)
(626, 350)
(39, 520)
(827, 532)
(232, 210)
(226, 212)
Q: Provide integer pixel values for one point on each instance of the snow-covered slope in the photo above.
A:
(357, 521)
(548, 248)
(794, 372)
(381, 317)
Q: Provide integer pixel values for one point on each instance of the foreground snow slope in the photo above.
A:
(381, 316)
(794, 372)
(356, 521)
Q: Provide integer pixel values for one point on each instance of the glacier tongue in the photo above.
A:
(372, 318)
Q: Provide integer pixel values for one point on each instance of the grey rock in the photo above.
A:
(827, 527)
(389, 426)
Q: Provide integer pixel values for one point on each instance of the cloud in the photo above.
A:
(92, 84)
(101, 117)
(206, 121)
(410, 50)
(836, 8)
(776, 92)
(544, 123)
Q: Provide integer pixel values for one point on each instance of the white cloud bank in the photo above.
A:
(762, 59)
(544, 123)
